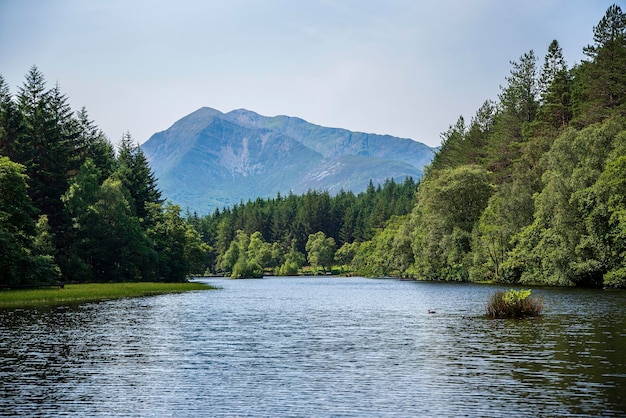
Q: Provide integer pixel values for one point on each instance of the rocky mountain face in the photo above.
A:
(210, 159)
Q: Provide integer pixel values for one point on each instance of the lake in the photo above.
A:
(317, 346)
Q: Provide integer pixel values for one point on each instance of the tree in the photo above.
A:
(110, 244)
(24, 257)
(555, 85)
(560, 247)
(452, 149)
(294, 260)
(387, 254)
(45, 145)
(345, 254)
(320, 250)
(259, 251)
(237, 259)
(520, 98)
(602, 85)
(519, 103)
(179, 251)
(94, 145)
(9, 122)
(135, 174)
(447, 209)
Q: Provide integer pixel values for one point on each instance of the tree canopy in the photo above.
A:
(71, 208)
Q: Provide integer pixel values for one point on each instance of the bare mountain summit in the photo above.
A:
(210, 159)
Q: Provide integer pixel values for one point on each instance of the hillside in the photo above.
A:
(209, 159)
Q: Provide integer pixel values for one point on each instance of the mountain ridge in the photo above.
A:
(209, 159)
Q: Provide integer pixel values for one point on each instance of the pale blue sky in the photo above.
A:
(407, 68)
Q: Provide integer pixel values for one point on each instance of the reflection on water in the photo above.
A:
(317, 347)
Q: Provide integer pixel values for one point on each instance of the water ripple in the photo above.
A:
(316, 347)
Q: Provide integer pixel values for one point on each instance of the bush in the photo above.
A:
(514, 304)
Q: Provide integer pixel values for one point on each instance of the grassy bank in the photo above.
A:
(77, 293)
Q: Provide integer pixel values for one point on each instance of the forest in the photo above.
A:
(73, 208)
(531, 190)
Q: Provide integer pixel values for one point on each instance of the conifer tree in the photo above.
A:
(602, 87)
(9, 122)
(555, 85)
(135, 174)
(45, 145)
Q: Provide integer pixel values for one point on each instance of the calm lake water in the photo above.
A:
(317, 347)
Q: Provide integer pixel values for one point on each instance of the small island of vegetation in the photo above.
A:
(514, 304)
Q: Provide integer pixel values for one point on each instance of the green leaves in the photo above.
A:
(320, 250)
(25, 253)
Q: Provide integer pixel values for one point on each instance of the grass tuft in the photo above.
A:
(514, 304)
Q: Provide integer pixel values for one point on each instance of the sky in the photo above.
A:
(407, 68)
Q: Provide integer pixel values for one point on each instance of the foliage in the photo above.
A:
(387, 254)
(25, 253)
(71, 209)
(514, 304)
(320, 251)
(449, 204)
(287, 221)
(294, 260)
(80, 293)
(247, 256)
(531, 190)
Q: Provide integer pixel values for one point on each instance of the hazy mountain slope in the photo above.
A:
(209, 160)
(337, 142)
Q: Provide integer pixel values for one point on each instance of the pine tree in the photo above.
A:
(9, 122)
(555, 85)
(94, 145)
(136, 176)
(45, 145)
(604, 78)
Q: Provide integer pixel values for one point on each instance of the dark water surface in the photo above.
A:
(317, 347)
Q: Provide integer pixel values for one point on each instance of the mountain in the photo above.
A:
(209, 159)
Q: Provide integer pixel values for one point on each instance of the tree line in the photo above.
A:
(531, 190)
(279, 233)
(72, 207)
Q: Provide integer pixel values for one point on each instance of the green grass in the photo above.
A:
(78, 293)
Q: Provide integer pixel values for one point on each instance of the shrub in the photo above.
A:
(514, 304)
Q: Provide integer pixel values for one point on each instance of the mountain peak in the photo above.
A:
(209, 159)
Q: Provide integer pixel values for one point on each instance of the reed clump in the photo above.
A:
(514, 304)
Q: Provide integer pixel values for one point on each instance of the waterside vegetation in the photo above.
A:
(75, 209)
(531, 191)
(91, 292)
(514, 304)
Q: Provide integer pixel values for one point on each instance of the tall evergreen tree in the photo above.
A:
(94, 145)
(45, 145)
(603, 80)
(520, 98)
(135, 174)
(555, 85)
(9, 122)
